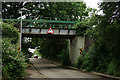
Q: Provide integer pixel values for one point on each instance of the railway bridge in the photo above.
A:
(62, 28)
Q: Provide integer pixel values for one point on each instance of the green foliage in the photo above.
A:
(13, 62)
(113, 69)
(46, 9)
(81, 27)
(27, 43)
(96, 59)
(12, 9)
(86, 26)
(56, 49)
(36, 52)
(111, 11)
(25, 46)
(64, 57)
(103, 50)
(103, 56)
(87, 61)
(51, 47)
(8, 31)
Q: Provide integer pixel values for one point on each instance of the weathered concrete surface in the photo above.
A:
(74, 48)
(54, 71)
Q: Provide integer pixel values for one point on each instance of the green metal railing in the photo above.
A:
(46, 22)
(42, 21)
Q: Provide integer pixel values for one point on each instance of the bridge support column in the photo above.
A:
(74, 48)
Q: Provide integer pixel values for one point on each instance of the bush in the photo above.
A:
(96, 59)
(64, 57)
(86, 62)
(80, 61)
(13, 62)
(113, 68)
(51, 48)
(8, 31)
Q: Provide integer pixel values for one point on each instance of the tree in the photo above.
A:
(45, 9)
(12, 62)
(111, 11)
(104, 52)
(13, 33)
(11, 9)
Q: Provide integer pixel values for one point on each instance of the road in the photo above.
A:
(50, 70)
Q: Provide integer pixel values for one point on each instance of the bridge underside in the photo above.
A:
(42, 32)
(75, 42)
(47, 36)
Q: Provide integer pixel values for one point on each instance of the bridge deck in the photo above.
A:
(38, 28)
(42, 32)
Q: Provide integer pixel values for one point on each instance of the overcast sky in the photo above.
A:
(92, 3)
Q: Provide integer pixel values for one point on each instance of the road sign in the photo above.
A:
(50, 31)
(18, 49)
(81, 50)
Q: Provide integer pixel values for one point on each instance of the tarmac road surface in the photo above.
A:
(51, 71)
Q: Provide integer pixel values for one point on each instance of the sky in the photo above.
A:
(92, 3)
(31, 50)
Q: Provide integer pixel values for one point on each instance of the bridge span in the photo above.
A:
(42, 32)
(62, 29)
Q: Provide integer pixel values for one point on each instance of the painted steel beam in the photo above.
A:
(43, 21)
(43, 31)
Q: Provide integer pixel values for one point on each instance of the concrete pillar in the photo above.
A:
(74, 48)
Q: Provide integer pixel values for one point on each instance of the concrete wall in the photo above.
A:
(88, 42)
(74, 48)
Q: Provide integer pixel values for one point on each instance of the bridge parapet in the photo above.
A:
(45, 22)
(61, 27)
(43, 31)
